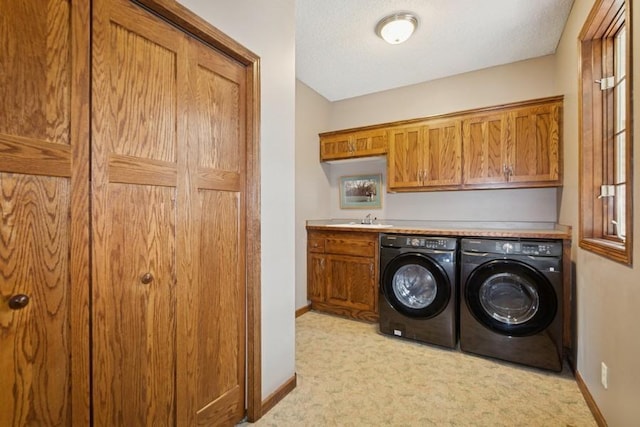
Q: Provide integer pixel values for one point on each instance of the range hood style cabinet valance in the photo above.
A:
(508, 146)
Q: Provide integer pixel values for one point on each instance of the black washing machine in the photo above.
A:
(511, 300)
(417, 297)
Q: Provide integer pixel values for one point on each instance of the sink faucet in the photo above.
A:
(367, 219)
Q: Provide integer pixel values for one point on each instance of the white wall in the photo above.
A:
(268, 29)
(312, 197)
(608, 293)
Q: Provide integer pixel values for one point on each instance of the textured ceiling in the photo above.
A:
(339, 55)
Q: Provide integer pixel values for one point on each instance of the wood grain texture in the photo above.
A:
(534, 144)
(34, 260)
(351, 281)
(515, 145)
(135, 203)
(80, 210)
(350, 145)
(442, 153)
(316, 283)
(484, 148)
(216, 157)
(342, 273)
(44, 205)
(35, 77)
(405, 163)
(219, 94)
(134, 323)
(145, 93)
(220, 312)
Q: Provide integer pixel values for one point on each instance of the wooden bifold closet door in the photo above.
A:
(123, 219)
(168, 215)
(44, 211)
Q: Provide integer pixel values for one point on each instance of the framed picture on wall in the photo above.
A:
(360, 192)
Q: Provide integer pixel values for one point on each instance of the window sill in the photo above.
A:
(614, 251)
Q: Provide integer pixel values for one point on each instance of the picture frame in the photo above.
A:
(361, 192)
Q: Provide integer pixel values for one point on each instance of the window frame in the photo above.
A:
(596, 133)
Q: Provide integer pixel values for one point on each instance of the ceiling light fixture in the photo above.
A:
(397, 28)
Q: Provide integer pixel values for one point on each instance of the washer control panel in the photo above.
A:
(418, 242)
(513, 247)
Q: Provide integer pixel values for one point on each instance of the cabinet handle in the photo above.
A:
(507, 170)
(322, 263)
(146, 278)
(18, 302)
(371, 270)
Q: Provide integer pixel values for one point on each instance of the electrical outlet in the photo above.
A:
(604, 375)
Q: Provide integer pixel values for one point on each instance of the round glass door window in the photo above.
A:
(510, 297)
(414, 286)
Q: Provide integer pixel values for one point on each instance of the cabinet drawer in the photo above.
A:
(346, 246)
(316, 244)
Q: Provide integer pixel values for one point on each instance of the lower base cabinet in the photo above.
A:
(342, 277)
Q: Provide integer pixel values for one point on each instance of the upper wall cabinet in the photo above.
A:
(425, 156)
(514, 147)
(351, 144)
(507, 146)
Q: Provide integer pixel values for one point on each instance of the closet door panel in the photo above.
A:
(135, 320)
(144, 102)
(35, 341)
(44, 326)
(220, 112)
(220, 332)
(139, 75)
(213, 373)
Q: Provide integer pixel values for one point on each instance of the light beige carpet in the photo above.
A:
(351, 375)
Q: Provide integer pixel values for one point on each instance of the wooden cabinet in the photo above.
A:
(507, 146)
(346, 145)
(485, 149)
(513, 147)
(425, 156)
(342, 275)
(533, 147)
(126, 220)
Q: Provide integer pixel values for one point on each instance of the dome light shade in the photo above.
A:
(397, 28)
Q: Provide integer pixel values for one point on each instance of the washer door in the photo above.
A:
(510, 297)
(416, 286)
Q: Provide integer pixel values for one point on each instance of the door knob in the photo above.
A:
(18, 302)
(146, 278)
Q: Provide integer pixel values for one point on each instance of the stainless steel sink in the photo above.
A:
(359, 225)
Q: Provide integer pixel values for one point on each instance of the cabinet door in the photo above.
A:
(534, 152)
(370, 143)
(441, 154)
(316, 277)
(44, 190)
(336, 147)
(352, 282)
(405, 161)
(484, 144)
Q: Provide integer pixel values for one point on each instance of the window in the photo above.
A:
(605, 131)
